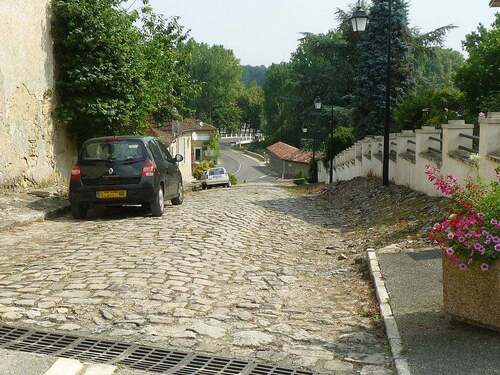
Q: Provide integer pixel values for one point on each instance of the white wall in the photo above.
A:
(414, 152)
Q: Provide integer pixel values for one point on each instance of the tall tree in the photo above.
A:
(370, 91)
(251, 104)
(169, 87)
(101, 75)
(478, 78)
(255, 74)
(218, 72)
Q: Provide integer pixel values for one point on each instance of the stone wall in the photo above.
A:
(34, 150)
(453, 148)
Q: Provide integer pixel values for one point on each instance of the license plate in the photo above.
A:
(111, 194)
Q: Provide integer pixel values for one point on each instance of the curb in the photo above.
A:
(40, 216)
(255, 155)
(391, 327)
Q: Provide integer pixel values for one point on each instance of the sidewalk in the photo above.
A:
(18, 208)
(432, 343)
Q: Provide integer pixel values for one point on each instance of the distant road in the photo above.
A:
(246, 168)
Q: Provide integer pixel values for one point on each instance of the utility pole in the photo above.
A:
(387, 120)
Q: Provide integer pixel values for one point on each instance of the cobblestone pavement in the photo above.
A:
(239, 272)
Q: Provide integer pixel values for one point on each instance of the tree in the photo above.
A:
(255, 74)
(276, 106)
(251, 103)
(370, 91)
(101, 75)
(428, 105)
(343, 138)
(478, 78)
(218, 72)
(169, 86)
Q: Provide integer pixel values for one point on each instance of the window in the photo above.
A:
(113, 150)
(197, 154)
(164, 151)
(216, 172)
(155, 150)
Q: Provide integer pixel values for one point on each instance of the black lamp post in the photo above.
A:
(359, 21)
(318, 105)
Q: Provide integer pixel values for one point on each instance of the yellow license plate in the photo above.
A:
(111, 194)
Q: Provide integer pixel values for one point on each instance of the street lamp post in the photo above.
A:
(359, 21)
(318, 104)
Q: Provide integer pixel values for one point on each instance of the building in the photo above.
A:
(289, 161)
(494, 3)
(189, 138)
(200, 137)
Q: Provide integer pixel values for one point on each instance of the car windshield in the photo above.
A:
(216, 172)
(125, 150)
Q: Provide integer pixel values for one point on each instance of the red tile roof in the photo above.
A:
(287, 152)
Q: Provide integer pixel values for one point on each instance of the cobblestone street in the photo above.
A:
(241, 272)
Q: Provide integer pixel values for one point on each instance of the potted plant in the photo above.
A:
(470, 240)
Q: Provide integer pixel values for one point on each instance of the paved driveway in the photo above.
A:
(240, 272)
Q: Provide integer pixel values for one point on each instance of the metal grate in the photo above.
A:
(140, 357)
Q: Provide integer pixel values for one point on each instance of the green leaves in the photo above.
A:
(114, 77)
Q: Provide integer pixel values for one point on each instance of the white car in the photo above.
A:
(217, 176)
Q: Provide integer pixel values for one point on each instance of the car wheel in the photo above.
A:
(204, 186)
(158, 205)
(79, 211)
(180, 195)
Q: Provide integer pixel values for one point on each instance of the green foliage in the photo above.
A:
(113, 77)
(233, 179)
(254, 74)
(343, 138)
(478, 78)
(251, 104)
(300, 178)
(436, 67)
(101, 68)
(202, 167)
(218, 72)
(169, 85)
(428, 105)
(371, 80)
(214, 147)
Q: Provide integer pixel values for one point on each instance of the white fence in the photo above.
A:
(454, 149)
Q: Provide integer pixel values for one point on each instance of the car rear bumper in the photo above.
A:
(216, 182)
(136, 194)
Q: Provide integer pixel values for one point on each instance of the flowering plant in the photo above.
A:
(471, 233)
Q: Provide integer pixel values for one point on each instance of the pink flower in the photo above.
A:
(462, 267)
(485, 267)
(437, 227)
(449, 251)
(451, 236)
(497, 247)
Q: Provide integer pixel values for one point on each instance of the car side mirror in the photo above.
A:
(178, 158)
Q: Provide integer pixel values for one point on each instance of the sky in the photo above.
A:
(262, 32)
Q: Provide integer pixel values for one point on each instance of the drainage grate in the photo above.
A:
(138, 357)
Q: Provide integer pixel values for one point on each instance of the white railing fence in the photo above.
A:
(453, 148)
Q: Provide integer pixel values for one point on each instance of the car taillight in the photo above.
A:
(149, 169)
(76, 173)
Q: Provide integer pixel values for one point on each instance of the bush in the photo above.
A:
(233, 179)
(201, 168)
(300, 178)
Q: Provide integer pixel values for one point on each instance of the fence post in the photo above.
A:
(489, 145)
(456, 162)
(424, 157)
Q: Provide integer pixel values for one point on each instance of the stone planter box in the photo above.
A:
(473, 296)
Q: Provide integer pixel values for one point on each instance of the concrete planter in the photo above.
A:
(472, 296)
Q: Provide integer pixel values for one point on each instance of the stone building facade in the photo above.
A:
(34, 150)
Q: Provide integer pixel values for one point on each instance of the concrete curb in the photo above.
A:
(255, 155)
(37, 217)
(391, 327)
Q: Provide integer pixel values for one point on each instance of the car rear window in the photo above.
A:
(216, 172)
(116, 150)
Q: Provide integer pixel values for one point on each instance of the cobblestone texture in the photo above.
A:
(238, 272)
